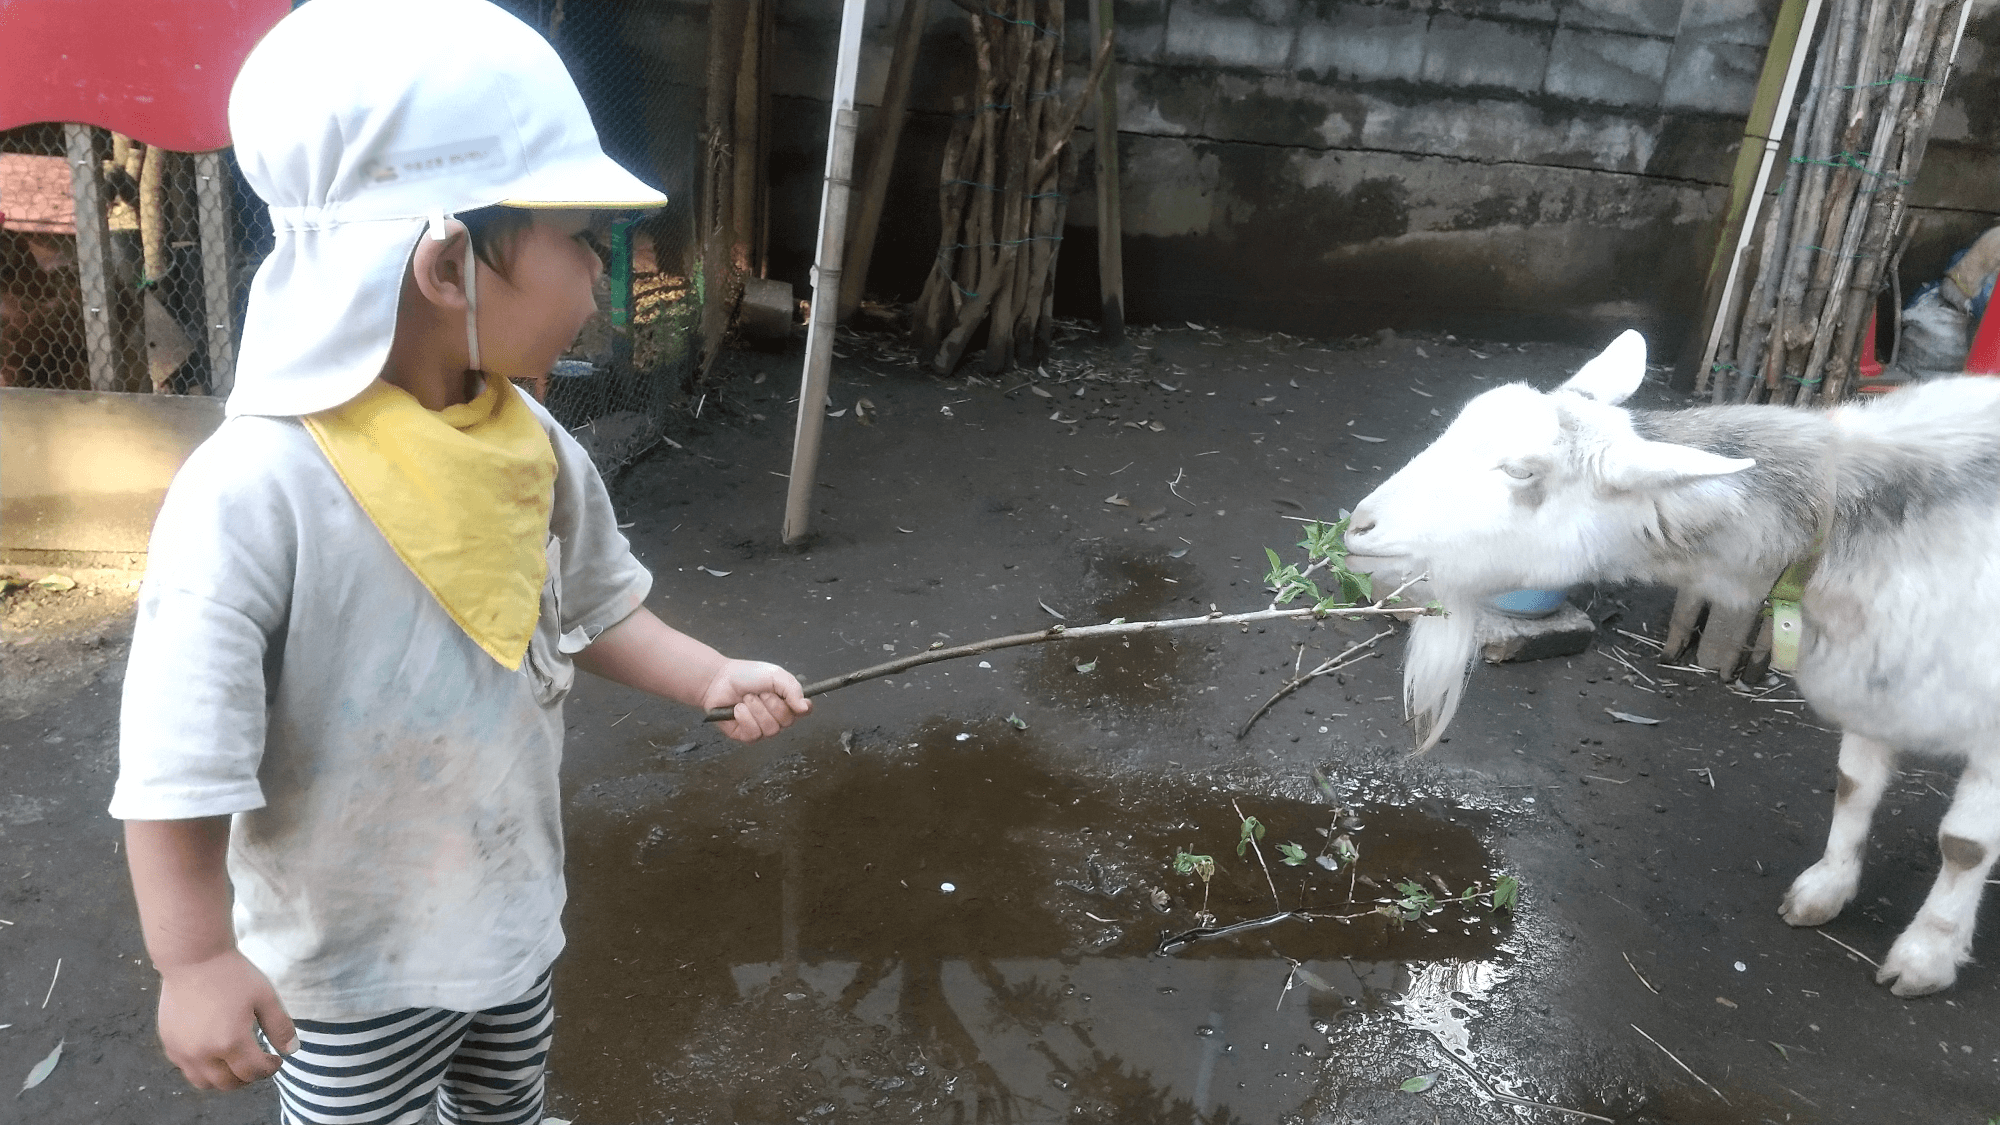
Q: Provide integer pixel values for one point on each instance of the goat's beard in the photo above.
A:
(1436, 665)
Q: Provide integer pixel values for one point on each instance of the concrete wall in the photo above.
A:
(1549, 169)
(86, 472)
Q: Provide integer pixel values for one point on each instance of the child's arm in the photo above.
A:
(212, 999)
(645, 652)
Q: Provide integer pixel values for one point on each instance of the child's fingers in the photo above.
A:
(277, 1025)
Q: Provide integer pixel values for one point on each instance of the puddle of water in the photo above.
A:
(792, 951)
(1142, 671)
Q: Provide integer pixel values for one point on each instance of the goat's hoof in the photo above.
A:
(1923, 960)
(1818, 894)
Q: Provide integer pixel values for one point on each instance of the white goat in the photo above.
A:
(1901, 645)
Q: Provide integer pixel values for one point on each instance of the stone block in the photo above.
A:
(1638, 17)
(1254, 40)
(1532, 10)
(1505, 640)
(1363, 43)
(1608, 68)
(1486, 53)
(1729, 21)
(1713, 75)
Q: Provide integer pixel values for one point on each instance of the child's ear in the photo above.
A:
(438, 266)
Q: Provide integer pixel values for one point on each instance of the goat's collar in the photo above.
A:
(1788, 623)
(1787, 616)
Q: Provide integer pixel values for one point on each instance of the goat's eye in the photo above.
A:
(1518, 472)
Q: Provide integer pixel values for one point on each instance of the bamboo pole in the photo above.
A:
(1920, 29)
(1783, 63)
(889, 117)
(826, 275)
(1110, 209)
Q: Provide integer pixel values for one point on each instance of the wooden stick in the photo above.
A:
(1086, 632)
(1679, 1063)
(1326, 667)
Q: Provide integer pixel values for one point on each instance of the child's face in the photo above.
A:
(527, 322)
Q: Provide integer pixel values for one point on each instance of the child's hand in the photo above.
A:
(209, 1015)
(766, 698)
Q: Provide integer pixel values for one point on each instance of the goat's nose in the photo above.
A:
(1361, 523)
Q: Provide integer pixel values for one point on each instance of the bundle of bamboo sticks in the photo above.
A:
(1001, 202)
(1839, 220)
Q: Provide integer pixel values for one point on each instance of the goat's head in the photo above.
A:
(1524, 489)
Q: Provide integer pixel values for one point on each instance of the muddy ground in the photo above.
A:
(941, 899)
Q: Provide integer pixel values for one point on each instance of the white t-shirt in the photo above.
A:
(397, 838)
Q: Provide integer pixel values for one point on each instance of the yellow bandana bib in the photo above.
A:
(462, 495)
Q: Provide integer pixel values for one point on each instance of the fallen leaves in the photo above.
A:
(717, 573)
(43, 1069)
(1118, 500)
(1628, 717)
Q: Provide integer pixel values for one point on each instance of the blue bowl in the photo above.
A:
(1528, 603)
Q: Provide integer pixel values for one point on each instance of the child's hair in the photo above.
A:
(493, 231)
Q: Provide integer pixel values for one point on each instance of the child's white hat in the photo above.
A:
(358, 121)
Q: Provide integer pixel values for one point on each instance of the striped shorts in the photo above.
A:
(480, 1068)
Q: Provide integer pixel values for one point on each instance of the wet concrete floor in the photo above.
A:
(762, 934)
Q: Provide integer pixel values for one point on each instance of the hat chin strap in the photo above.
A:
(471, 304)
(438, 234)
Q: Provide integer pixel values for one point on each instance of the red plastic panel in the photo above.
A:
(158, 72)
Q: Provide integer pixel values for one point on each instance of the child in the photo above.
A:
(367, 590)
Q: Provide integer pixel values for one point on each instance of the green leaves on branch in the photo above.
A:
(1325, 550)
(1415, 900)
(1187, 863)
(1253, 829)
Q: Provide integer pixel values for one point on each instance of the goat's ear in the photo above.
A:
(1615, 373)
(1639, 465)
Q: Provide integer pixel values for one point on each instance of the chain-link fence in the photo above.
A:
(126, 268)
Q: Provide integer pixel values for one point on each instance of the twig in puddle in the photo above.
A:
(1250, 837)
(1507, 1098)
(1679, 1063)
(52, 984)
(1379, 608)
(1172, 486)
(1612, 780)
(1849, 948)
(1637, 973)
(1326, 667)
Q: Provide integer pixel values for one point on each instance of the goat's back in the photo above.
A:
(1903, 614)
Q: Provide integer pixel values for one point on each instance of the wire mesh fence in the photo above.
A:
(126, 268)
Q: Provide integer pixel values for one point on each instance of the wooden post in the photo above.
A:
(217, 278)
(93, 246)
(1110, 217)
(725, 49)
(826, 275)
(747, 143)
(867, 216)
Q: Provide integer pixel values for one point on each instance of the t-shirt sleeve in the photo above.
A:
(211, 619)
(602, 583)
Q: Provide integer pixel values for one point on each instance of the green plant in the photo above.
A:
(1325, 550)
(1187, 863)
(1253, 830)
(1416, 899)
(1292, 854)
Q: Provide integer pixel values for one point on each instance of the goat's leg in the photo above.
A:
(1822, 889)
(1927, 955)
